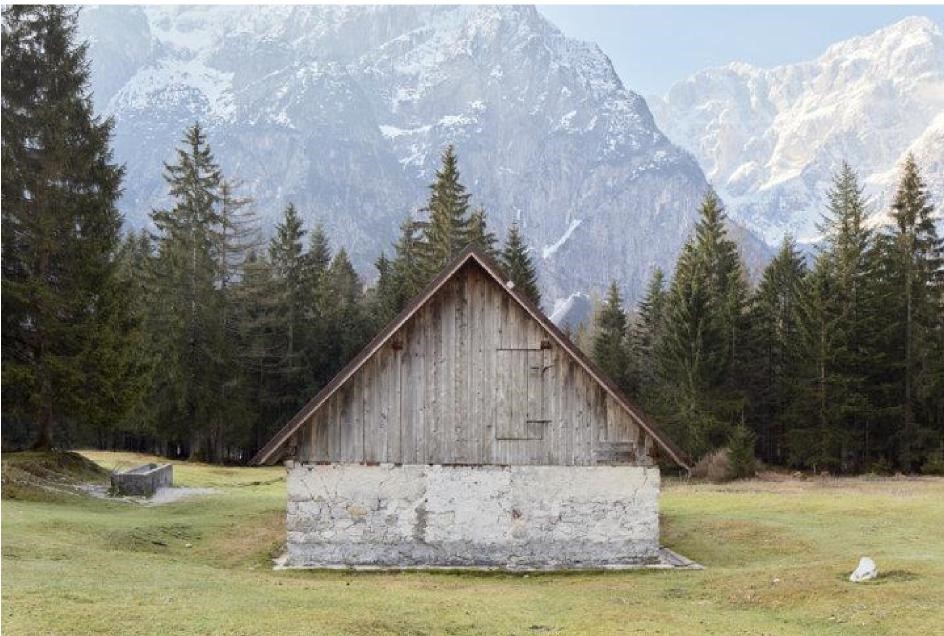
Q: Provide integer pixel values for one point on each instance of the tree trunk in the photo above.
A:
(44, 441)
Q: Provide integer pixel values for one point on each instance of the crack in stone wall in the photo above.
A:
(509, 516)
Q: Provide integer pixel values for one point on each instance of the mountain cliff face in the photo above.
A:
(345, 110)
(770, 139)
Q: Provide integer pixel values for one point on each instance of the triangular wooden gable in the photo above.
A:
(517, 351)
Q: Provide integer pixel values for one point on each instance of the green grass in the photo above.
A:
(776, 556)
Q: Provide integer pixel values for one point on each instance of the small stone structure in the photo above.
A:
(515, 517)
(142, 480)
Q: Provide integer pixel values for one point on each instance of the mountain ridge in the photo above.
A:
(769, 139)
(344, 111)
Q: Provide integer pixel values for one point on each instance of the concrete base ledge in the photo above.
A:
(668, 560)
(517, 518)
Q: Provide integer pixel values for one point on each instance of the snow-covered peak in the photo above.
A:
(344, 110)
(769, 139)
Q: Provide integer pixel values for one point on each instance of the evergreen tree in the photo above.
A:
(228, 426)
(814, 435)
(838, 347)
(479, 234)
(741, 452)
(346, 319)
(384, 297)
(516, 261)
(318, 257)
(408, 278)
(702, 351)
(609, 343)
(446, 233)
(261, 347)
(773, 364)
(295, 282)
(65, 317)
(187, 283)
(647, 332)
(913, 277)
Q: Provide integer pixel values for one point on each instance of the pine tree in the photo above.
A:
(384, 295)
(295, 293)
(609, 343)
(346, 318)
(773, 364)
(703, 348)
(914, 285)
(187, 280)
(516, 262)
(741, 452)
(648, 330)
(64, 314)
(261, 347)
(446, 233)
(228, 426)
(479, 234)
(318, 257)
(813, 435)
(838, 348)
(408, 279)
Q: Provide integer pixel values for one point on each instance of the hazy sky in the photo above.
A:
(652, 47)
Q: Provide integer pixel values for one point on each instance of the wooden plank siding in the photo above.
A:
(472, 378)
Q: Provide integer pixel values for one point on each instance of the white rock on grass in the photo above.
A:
(866, 571)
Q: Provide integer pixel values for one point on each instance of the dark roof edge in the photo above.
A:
(268, 453)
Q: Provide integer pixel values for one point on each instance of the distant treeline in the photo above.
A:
(197, 338)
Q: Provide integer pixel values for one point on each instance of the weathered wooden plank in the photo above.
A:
(477, 338)
(409, 408)
(374, 435)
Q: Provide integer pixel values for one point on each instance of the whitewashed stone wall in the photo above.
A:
(507, 516)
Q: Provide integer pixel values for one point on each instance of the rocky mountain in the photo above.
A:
(345, 110)
(770, 139)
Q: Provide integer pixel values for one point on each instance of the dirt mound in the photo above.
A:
(35, 475)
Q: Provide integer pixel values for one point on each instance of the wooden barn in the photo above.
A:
(471, 432)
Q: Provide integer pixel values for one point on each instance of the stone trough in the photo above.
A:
(143, 480)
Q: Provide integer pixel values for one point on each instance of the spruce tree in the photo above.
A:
(228, 427)
(703, 348)
(187, 282)
(479, 234)
(838, 349)
(384, 295)
(610, 340)
(261, 347)
(318, 257)
(814, 434)
(773, 365)
(346, 318)
(446, 232)
(914, 285)
(519, 270)
(295, 294)
(64, 314)
(406, 272)
(647, 331)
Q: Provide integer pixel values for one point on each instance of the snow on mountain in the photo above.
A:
(769, 140)
(344, 110)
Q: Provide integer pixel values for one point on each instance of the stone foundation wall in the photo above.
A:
(458, 516)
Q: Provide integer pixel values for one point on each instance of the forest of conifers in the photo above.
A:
(198, 337)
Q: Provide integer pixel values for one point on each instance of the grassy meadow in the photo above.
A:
(777, 552)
